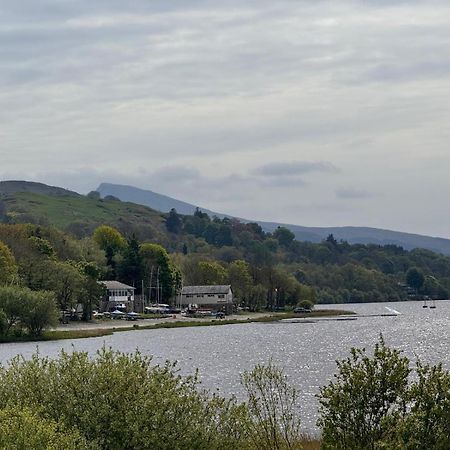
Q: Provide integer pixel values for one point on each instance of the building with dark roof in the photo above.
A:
(215, 297)
(118, 296)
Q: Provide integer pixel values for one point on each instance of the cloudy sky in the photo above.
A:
(308, 112)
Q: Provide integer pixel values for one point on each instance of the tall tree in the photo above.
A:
(8, 267)
(415, 278)
(91, 290)
(130, 267)
(174, 223)
(284, 236)
(159, 274)
(111, 242)
(210, 273)
(240, 280)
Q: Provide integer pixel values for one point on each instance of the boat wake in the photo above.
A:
(393, 310)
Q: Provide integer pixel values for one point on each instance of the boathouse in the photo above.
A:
(218, 298)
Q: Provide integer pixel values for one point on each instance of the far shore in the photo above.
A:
(80, 330)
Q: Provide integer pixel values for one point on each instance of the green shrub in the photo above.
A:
(22, 429)
(370, 404)
(24, 308)
(427, 424)
(274, 423)
(120, 401)
(39, 312)
(361, 408)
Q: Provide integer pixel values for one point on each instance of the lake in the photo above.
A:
(306, 351)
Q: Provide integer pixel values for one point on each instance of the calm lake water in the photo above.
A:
(306, 351)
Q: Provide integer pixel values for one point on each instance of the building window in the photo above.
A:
(189, 296)
(221, 296)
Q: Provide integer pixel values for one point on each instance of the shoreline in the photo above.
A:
(92, 330)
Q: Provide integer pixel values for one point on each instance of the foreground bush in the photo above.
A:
(24, 429)
(372, 404)
(274, 423)
(120, 401)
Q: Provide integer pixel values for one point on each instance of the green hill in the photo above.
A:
(80, 214)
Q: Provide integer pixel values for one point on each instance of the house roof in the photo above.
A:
(219, 289)
(116, 285)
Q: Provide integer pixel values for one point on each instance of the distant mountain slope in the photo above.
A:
(361, 235)
(366, 235)
(13, 186)
(151, 199)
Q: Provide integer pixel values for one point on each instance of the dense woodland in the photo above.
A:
(138, 246)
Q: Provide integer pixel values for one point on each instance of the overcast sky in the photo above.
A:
(307, 112)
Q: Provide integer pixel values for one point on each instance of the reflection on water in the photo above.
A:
(306, 351)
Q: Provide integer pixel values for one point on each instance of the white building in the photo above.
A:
(216, 298)
(118, 296)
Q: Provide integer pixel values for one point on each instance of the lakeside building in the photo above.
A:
(218, 298)
(118, 296)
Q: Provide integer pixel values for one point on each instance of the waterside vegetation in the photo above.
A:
(377, 400)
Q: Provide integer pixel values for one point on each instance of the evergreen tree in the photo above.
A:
(130, 268)
(173, 222)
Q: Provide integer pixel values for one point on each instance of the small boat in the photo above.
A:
(433, 305)
(425, 304)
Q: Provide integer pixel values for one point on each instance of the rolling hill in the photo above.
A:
(14, 186)
(80, 214)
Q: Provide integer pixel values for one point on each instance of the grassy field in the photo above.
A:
(55, 335)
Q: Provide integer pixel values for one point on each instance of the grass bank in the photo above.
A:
(217, 322)
(53, 335)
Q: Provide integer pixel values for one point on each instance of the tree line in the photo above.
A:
(265, 270)
(337, 271)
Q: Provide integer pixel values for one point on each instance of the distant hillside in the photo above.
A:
(148, 198)
(354, 235)
(11, 187)
(366, 235)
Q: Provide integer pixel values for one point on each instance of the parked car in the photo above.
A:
(133, 316)
(302, 310)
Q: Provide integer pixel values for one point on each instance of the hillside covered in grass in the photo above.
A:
(265, 269)
(80, 215)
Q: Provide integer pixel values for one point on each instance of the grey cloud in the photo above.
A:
(179, 174)
(353, 194)
(295, 168)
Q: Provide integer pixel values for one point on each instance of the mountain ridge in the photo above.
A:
(352, 234)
